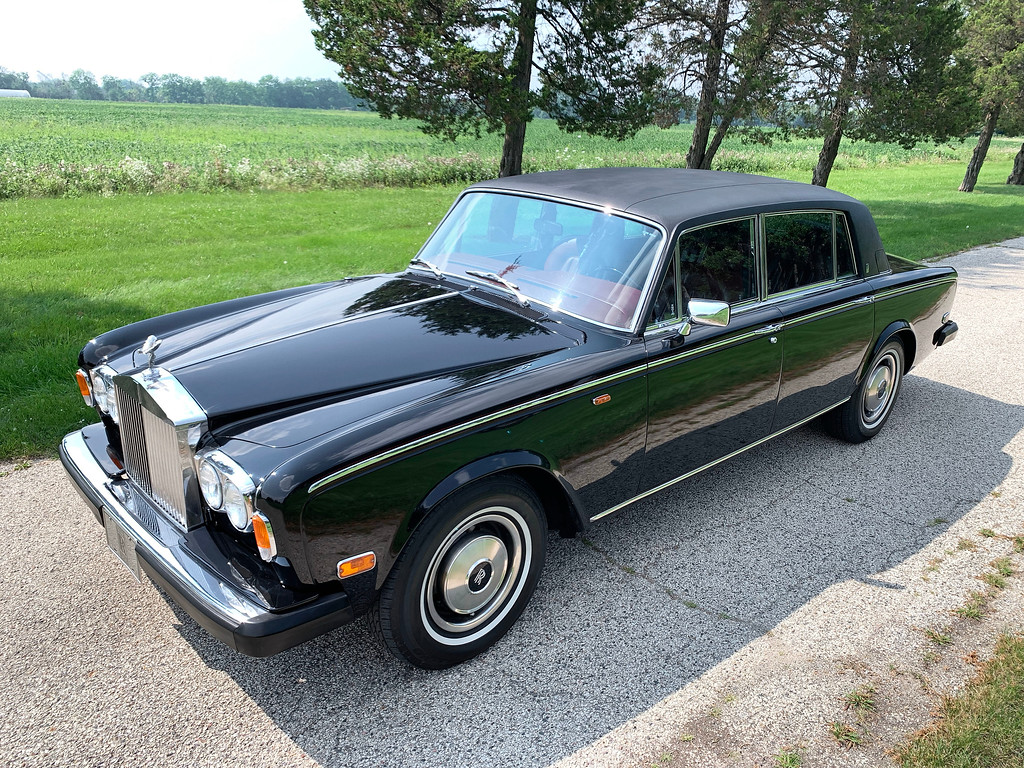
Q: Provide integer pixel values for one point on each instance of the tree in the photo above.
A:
(879, 72)
(152, 82)
(84, 85)
(995, 45)
(462, 66)
(179, 89)
(727, 51)
(17, 81)
(1014, 126)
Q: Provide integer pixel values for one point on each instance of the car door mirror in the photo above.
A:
(709, 312)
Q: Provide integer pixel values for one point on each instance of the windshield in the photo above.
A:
(585, 262)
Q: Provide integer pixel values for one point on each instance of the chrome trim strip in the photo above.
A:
(201, 587)
(473, 424)
(888, 294)
(693, 472)
(862, 301)
(714, 345)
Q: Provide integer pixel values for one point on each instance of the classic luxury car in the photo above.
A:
(564, 344)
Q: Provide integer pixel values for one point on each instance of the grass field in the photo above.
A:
(51, 148)
(71, 268)
(74, 268)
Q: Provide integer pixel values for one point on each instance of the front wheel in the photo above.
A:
(464, 576)
(863, 415)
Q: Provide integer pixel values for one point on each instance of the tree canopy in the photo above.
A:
(463, 67)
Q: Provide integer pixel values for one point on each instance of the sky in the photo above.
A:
(236, 39)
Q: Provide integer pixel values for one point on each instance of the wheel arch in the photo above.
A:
(558, 497)
(902, 331)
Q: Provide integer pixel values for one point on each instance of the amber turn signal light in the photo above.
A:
(357, 564)
(264, 533)
(83, 385)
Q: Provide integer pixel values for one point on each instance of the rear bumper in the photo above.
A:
(229, 614)
(946, 333)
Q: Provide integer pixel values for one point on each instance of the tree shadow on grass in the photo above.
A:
(43, 333)
(649, 600)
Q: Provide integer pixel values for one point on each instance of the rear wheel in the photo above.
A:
(863, 415)
(465, 575)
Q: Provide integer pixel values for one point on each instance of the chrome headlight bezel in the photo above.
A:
(102, 378)
(236, 489)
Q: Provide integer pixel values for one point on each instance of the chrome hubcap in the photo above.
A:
(880, 389)
(475, 574)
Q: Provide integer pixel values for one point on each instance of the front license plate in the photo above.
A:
(122, 544)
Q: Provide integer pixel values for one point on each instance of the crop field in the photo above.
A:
(51, 148)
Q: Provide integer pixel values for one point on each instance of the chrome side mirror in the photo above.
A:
(708, 312)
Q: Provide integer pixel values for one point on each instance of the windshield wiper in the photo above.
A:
(495, 277)
(429, 265)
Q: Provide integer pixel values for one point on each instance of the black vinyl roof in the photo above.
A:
(670, 196)
(682, 198)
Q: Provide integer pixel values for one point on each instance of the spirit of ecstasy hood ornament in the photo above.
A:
(149, 347)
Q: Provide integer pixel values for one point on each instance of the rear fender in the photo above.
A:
(908, 338)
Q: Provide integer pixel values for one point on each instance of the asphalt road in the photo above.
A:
(98, 670)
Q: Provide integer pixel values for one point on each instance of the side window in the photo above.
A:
(798, 250)
(666, 300)
(717, 262)
(844, 251)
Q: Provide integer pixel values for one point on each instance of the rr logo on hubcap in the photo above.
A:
(480, 576)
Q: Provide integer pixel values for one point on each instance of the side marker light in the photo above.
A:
(355, 565)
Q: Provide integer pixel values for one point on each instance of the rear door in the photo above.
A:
(826, 309)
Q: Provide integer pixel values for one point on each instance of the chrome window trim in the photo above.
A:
(710, 464)
(655, 269)
(754, 243)
(812, 286)
(849, 243)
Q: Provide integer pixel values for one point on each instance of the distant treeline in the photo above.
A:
(269, 91)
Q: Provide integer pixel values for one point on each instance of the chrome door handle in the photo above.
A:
(863, 300)
(769, 329)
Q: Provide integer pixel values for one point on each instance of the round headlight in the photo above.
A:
(210, 485)
(100, 393)
(235, 507)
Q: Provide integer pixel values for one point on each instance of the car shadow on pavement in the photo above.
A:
(649, 600)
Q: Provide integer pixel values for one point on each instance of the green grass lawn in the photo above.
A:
(73, 268)
(983, 726)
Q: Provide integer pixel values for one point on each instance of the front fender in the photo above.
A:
(565, 512)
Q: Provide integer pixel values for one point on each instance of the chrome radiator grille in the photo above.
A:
(152, 457)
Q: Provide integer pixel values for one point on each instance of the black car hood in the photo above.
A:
(347, 340)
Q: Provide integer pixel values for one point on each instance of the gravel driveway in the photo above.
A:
(718, 622)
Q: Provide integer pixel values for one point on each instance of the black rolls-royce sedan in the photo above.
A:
(564, 344)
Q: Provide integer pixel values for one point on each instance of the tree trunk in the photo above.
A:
(840, 111)
(768, 25)
(518, 113)
(1017, 174)
(709, 87)
(978, 157)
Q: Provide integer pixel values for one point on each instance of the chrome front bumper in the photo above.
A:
(227, 613)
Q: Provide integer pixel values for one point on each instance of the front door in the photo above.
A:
(712, 392)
